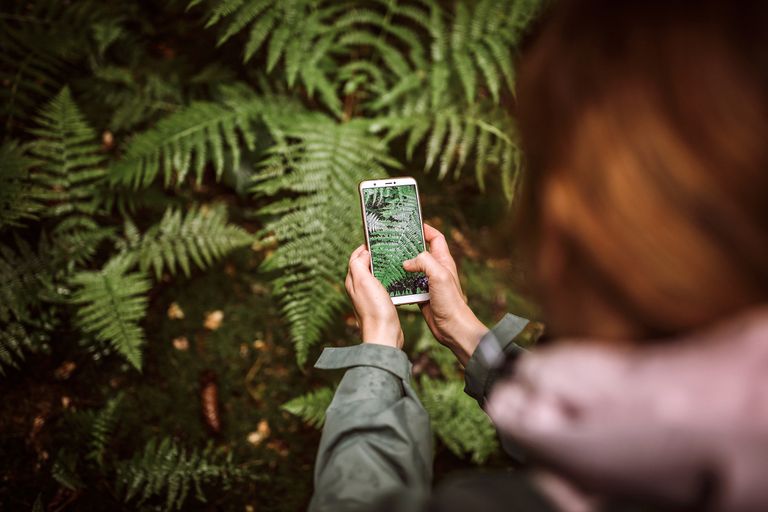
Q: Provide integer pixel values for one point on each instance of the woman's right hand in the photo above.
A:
(447, 314)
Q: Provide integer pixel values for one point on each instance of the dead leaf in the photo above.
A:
(209, 401)
(213, 320)
(107, 140)
(260, 434)
(181, 343)
(175, 312)
(64, 371)
(259, 345)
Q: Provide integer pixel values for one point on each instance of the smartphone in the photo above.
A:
(394, 233)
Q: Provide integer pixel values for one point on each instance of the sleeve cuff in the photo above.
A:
(387, 358)
(494, 346)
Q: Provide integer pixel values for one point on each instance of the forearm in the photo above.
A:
(376, 439)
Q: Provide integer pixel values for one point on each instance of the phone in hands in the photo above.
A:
(394, 233)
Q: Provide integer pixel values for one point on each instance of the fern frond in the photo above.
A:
(185, 141)
(68, 157)
(454, 138)
(311, 407)
(166, 469)
(321, 161)
(200, 236)
(457, 420)
(111, 303)
(438, 353)
(21, 280)
(102, 428)
(65, 469)
(14, 340)
(301, 33)
(20, 198)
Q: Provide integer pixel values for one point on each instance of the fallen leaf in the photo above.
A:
(175, 312)
(64, 371)
(259, 345)
(260, 434)
(181, 343)
(209, 401)
(66, 402)
(213, 320)
(107, 140)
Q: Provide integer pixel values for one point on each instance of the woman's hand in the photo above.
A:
(376, 315)
(447, 314)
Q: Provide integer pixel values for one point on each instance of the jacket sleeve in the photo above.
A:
(376, 439)
(486, 365)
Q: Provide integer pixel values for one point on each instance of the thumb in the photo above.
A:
(426, 263)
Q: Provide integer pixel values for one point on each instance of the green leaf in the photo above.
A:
(311, 407)
(200, 236)
(111, 302)
(167, 469)
(321, 163)
(457, 420)
(68, 161)
(20, 198)
(188, 136)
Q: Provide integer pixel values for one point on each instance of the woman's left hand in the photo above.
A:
(375, 312)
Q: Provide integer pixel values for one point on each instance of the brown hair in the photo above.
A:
(645, 128)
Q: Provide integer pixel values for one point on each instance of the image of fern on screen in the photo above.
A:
(395, 235)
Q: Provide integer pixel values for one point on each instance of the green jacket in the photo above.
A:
(376, 448)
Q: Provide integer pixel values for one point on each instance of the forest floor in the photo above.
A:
(219, 363)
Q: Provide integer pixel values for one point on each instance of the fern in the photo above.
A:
(200, 236)
(102, 427)
(22, 273)
(311, 407)
(165, 468)
(187, 139)
(301, 33)
(70, 162)
(457, 420)
(14, 340)
(321, 162)
(111, 303)
(20, 198)
(66, 470)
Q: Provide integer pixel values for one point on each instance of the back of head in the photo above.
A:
(645, 127)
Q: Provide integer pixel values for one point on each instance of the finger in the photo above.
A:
(363, 279)
(348, 284)
(360, 265)
(357, 252)
(438, 246)
(427, 263)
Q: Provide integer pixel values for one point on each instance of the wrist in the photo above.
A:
(466, 333)
(383, 336)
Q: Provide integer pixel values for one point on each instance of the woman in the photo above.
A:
(645, 128)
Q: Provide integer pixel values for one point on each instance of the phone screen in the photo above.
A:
(393, 221)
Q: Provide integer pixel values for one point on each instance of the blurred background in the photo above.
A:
(177, 205)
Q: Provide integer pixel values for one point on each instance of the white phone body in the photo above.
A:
(410, 298)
